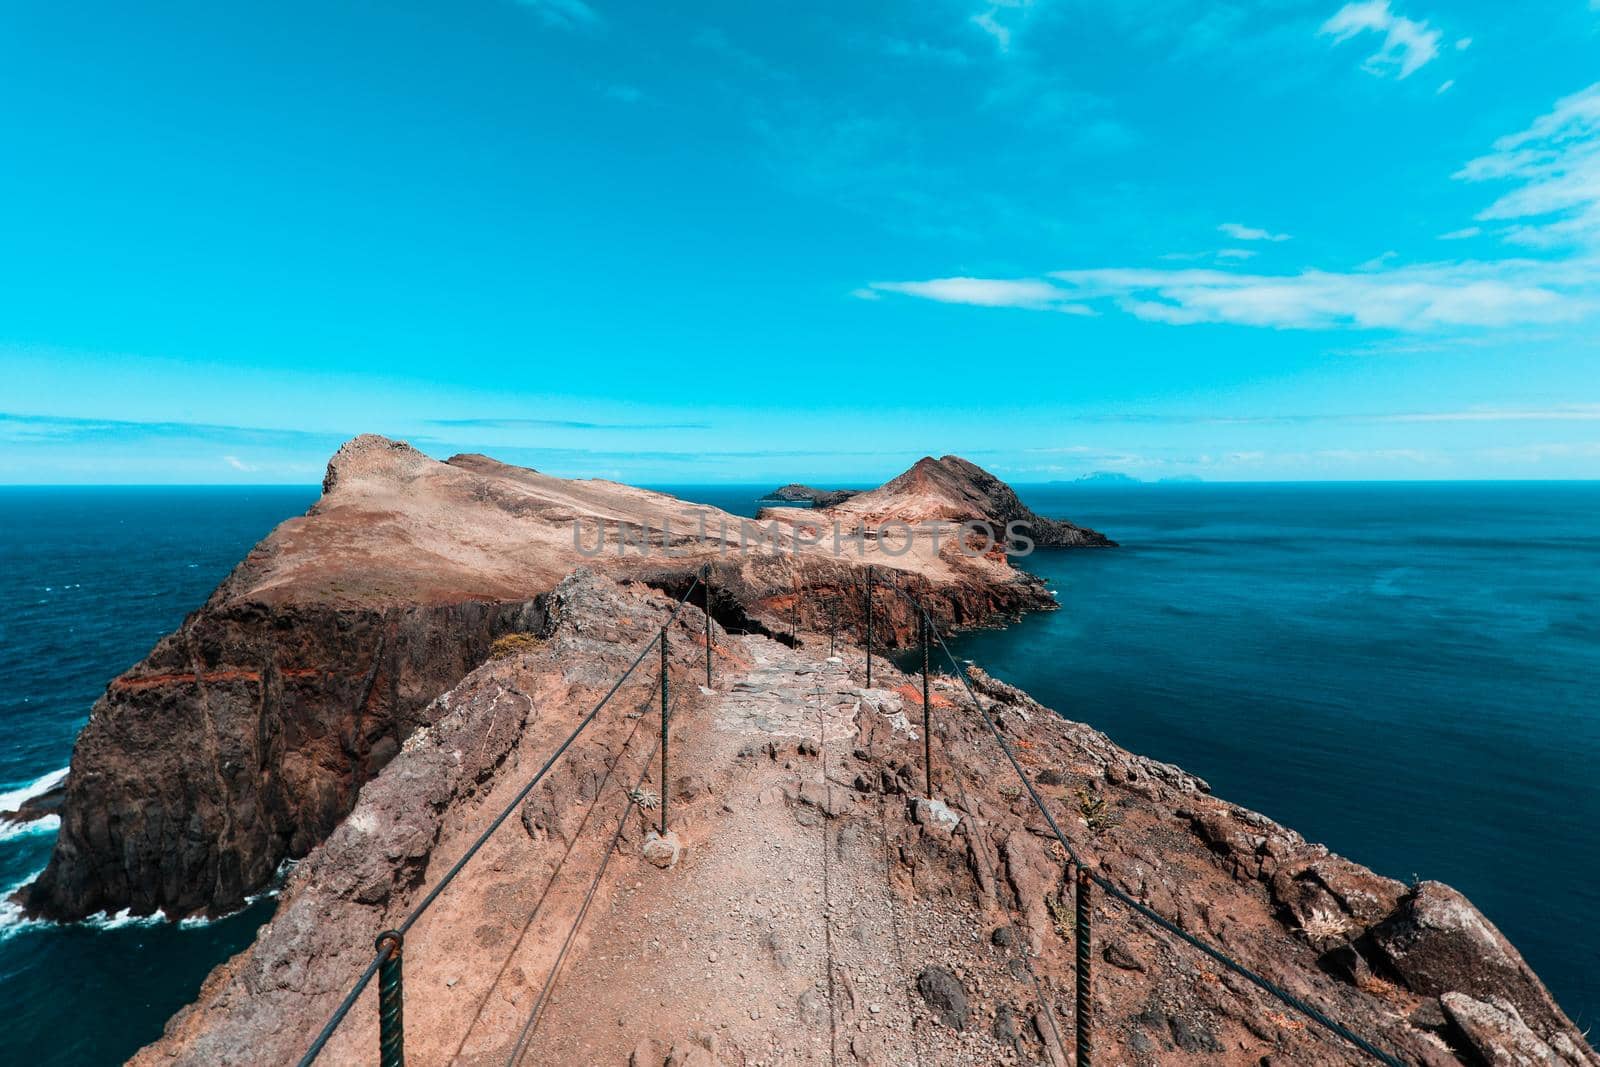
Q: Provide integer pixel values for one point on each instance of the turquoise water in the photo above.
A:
(1405, 672)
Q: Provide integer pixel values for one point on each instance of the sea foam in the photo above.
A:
(13, 799)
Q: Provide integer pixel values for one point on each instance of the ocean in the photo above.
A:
(90, 580)
(1405, 672)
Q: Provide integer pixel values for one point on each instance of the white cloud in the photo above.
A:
(1235, 254)
(1421, 297)
(1241, 232)
(239, 465)
(1568, 413)
(1378, 262)
(1556, 165)
(566, 14)
(1412, 298)
(1408, 45)
(1444, 87)
(988, 23)
(1032, 293)
(1466, 42)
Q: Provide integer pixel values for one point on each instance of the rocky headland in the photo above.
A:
(795, 493)
(347, 698)
(242, 739)
(952, 489)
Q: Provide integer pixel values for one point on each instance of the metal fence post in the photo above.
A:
(1084, 1011)
(391, 1002)
(664, 705)
(869, 627)
(927, 715)
(708, 625)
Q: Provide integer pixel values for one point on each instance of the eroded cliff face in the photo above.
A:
(244, 737)
(241, 741)
(822, 911)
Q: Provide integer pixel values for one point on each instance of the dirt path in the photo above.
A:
(784, 934)
(772, 939)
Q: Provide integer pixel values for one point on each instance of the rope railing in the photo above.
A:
(390, 942)
(387, 961)
(1088, 876)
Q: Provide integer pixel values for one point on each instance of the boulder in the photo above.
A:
(663, 850)
(944, 994)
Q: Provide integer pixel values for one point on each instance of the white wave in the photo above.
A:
(49, 824)
(11, 801)
(13, 919)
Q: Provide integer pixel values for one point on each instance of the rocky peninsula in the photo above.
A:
(348, 699)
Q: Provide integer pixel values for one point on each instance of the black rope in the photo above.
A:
(416, 913)
(1115, 892)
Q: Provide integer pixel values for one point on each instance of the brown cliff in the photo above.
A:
(244, 737)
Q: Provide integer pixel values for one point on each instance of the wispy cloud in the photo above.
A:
(989, 22)
(1555, 164)
(1461, 234)
(565, 14)
(240, 465)
(714, 39)
(1408, 45)
(1558, 413)
(901, 48)
(1241, 232)
(1031, 293)
(562, 424)
(66, 429)
(1422, 297)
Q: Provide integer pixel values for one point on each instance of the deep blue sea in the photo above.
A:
(90, 579)
(1407, 673)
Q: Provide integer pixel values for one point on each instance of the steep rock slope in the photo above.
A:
(243, 737)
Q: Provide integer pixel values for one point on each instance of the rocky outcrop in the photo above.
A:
(241, 741)
(818, 498)
(814, 891)
(245, 736)
(953, 489)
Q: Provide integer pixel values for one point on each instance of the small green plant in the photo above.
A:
(515, 644)
(1060, 916)
(1010, 791)
(1095, 810)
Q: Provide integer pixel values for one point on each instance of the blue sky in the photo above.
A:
(753, 242)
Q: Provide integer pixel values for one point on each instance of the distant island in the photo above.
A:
(795, 493)
(1114, 479)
